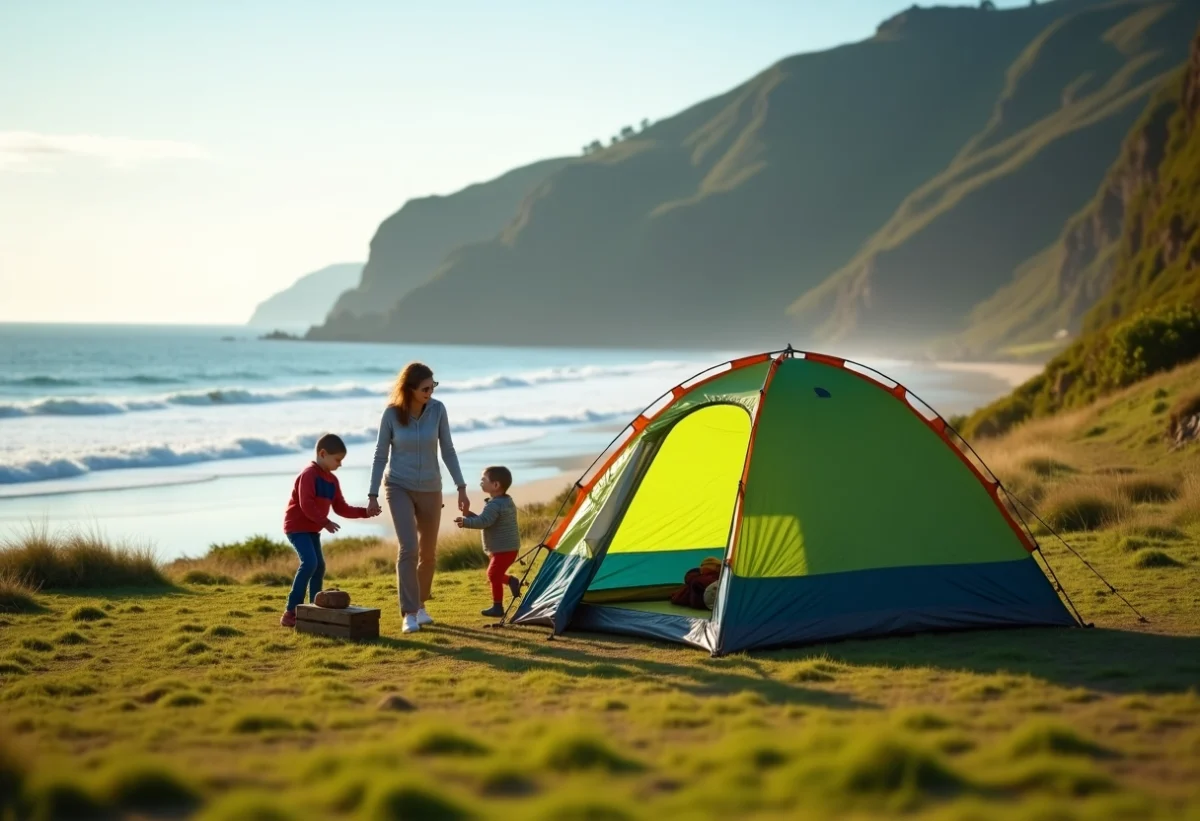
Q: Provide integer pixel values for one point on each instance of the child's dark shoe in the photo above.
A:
(514, 584)
(495, 611)
(288, 619)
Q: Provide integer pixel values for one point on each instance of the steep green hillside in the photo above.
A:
(1043, 308)
(411, 244)
(924, 165)
(1069, 100)
(1149, 318)
(1159, 258)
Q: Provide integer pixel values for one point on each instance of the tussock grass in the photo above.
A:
(462, 550)
(403, 799)
(224, 631)
(203, 577)
(1155, 558)
(568, 750)
(1163, 533)
(923, 720)
(1065, 778)
(59, 796)
(76, 560)
(183, 700)
(16, 596)
(250, 723)
(1089, 506)
(576, 808)
(811, 670)
(146, 787)
(1052, 738)
(887, 770)
(440, 741)
(1186, 510)
(1150, 489)
(248, 805)
(270, 578)
(507, 780)
(262, 560)
(85, 613)
(1047, 466)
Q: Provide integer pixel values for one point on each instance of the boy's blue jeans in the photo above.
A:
(311, 573)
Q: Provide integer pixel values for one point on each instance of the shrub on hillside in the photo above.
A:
(1150, 342)
(205, 578)
(76, 561)
(253, 550)
(349, 544)
(1146, 343)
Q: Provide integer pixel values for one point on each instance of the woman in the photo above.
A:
(413, 426)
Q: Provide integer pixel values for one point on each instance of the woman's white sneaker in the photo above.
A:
(424, 618)
(411, 625)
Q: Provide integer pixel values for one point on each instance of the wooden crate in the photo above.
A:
(347, 623)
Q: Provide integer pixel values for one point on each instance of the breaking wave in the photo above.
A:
(104, 406)
(175, 455)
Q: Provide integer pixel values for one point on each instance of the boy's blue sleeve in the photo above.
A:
(486, 518)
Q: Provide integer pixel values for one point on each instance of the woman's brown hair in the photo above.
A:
(414, 374)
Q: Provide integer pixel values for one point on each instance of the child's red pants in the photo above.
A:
(497, 572)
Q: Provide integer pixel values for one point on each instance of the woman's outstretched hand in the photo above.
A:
(464, 504)
(373, 508)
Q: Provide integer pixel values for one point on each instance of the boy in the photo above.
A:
(501, 539)
(314, 492)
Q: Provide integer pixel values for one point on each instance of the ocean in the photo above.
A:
(180, 437)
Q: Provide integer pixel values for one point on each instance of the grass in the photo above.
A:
(16, 596)
(1155, 558)
(169, 702)
(1074, 507)
(76, 561)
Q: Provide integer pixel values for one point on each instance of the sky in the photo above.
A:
(178, 162)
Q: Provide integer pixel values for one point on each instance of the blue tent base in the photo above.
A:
(790, 612)
(626, 621)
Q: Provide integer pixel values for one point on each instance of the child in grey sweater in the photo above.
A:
(501, 538)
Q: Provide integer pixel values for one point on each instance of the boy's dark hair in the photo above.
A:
(331, 443)
(501, 474)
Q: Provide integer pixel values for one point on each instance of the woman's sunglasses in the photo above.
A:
(430, 388)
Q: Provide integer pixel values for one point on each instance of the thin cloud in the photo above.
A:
(30, 151)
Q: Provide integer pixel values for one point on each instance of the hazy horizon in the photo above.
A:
(177, 165)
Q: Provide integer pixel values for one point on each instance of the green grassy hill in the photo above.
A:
(883, 189)
(410, 245)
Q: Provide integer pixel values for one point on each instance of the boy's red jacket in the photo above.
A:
(314, 492)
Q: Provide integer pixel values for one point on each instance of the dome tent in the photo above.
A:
(839, 504)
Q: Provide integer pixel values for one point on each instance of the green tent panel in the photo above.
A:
(837, 509)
